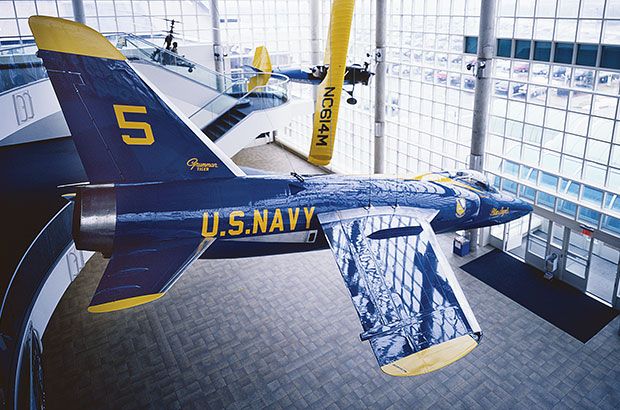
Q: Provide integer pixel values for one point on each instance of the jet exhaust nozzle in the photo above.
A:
(94, 219)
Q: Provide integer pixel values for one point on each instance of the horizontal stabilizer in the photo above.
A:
(252, 68)
(135, 276)
(411, 307)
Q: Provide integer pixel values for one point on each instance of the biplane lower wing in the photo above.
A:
(410, 305)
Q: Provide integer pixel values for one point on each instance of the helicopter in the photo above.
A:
(168, 55)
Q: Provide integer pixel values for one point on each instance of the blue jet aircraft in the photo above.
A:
(161, 195)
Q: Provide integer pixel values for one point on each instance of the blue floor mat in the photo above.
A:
(557, 302)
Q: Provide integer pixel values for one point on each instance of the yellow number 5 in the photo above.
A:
(120, 111)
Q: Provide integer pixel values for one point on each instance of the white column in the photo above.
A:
(315, 38)
(218, 50)
(482, 96)
(380, 77)
(78, 11)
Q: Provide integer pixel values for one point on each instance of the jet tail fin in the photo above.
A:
(125, 130)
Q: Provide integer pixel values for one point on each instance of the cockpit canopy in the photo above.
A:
(470, 177)
(474, 178)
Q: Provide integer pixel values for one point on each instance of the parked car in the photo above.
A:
(559, 72)
(521, 68)
(501, 88)
(469, 83)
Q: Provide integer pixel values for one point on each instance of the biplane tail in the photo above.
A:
(261, 61)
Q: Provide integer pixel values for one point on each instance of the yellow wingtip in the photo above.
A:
(320, 159)
(431, 359)
(66, 36)
(124, 303)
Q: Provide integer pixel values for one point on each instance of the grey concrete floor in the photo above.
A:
(281, 332)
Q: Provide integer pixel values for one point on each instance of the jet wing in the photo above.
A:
(137, 275)
(410, 305)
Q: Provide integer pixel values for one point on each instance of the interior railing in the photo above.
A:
(137, 48)
(22, 292)
(252, 90)
(239, 85)
(20, 66)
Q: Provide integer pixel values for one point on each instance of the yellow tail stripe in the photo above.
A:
(124, 303)
(66, 36)
(330, 90)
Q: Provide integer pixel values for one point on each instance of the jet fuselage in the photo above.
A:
(259, 215)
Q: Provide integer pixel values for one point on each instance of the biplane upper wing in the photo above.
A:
(410, 305)
(329, 91)
(137, 275)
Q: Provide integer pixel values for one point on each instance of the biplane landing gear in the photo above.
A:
(351, 100)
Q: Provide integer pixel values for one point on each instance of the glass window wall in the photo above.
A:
(143, 17)
(577, 254)
(602, 271)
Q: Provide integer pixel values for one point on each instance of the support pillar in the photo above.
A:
(315, 35)
(380, 83)
(218, 50)
(482, 97)
(78, 11)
